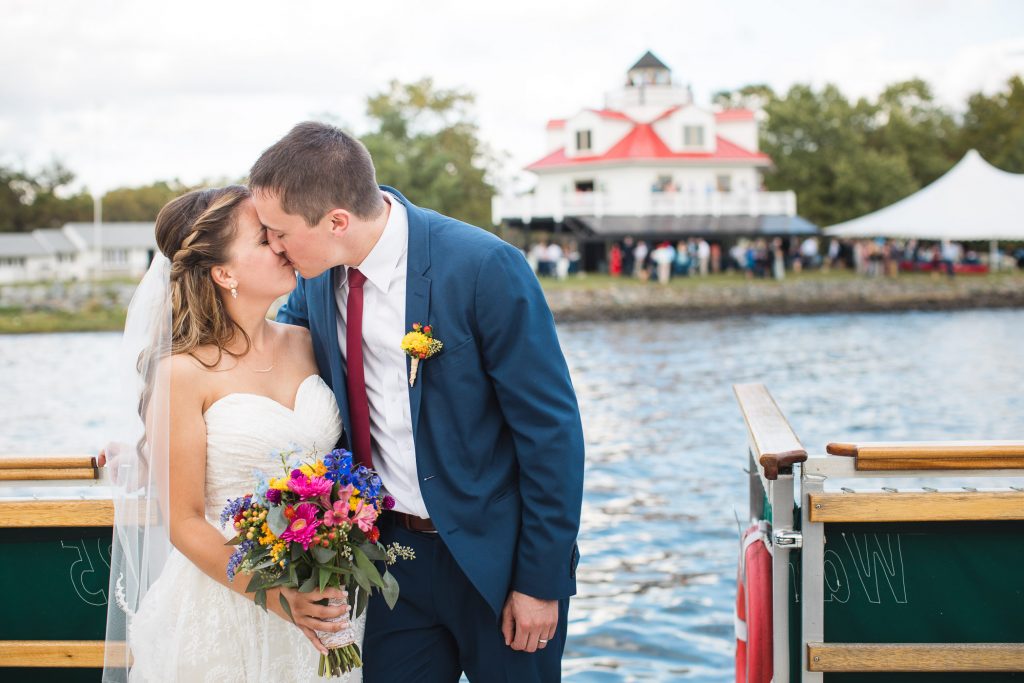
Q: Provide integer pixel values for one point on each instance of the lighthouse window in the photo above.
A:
(583, 140)
(693, 136)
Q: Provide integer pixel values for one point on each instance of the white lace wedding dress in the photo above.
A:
(191, 628)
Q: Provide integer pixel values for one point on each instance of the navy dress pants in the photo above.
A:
(442, 627)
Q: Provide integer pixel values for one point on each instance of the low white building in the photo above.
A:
(77, 251)
(117, 249)
(651, 164)
(68, 261)
(23, 259)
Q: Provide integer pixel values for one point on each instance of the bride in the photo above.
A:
(227, 388)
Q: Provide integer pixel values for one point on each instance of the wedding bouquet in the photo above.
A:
(315, 527)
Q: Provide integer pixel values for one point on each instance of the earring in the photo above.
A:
(234, 290)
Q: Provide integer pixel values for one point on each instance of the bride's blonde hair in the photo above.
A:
(194, 231)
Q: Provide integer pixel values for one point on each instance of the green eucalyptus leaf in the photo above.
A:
(390, 590)
(287, 608)
(325, 576)
(324, 555)
(364, 565)
(362, 598)
(373, 551)
(276, 520)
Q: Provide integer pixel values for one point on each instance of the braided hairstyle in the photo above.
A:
(194, 231)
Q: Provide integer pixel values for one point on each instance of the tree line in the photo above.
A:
(423, 139)
(846, 158)
(843, 158)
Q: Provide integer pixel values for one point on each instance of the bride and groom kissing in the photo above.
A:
(480, 446)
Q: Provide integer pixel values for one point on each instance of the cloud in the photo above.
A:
(127, 92)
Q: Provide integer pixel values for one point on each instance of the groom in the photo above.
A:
(483, 452)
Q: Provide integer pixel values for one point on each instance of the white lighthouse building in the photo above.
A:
(652, 165)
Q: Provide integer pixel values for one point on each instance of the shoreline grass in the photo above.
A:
(739, 294)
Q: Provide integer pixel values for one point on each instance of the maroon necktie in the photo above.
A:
(358, 405)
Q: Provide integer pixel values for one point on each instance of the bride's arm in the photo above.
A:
(193, 535)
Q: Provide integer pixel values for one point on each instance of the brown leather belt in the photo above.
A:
(412, 522)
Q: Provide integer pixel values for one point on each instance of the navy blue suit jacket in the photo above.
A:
(499, 444)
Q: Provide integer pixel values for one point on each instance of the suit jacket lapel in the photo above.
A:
(329, 311)
(417, 293)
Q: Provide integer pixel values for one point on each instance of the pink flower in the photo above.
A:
(303, 525)
(364, 516)
(344, 493)
(308, 487)
(336, 514)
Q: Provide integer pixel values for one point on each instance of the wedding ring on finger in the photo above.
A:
(542, 641)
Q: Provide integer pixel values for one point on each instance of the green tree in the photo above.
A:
(426, 144)
(755, 96)
(821, 147)
(995, 126)
(40, 200)
(140, 203)
(911, 124)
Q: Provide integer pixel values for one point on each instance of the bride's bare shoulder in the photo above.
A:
(295, 334)
(189, 373)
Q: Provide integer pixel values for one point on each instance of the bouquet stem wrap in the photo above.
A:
(333, 641)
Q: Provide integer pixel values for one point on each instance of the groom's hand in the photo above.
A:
(309, 616)
(527, 622)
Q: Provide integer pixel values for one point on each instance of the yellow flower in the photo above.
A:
(281, 484)
(268, 536)
(419, 345)
(277, 551)
(318, 469)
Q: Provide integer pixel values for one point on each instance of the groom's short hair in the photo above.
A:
(315, 168)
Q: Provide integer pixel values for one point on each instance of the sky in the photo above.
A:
(125, 93)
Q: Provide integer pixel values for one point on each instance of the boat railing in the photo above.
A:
(949, 482)
(53, 512)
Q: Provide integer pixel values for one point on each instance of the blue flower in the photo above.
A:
(233, 508)
(237, 557)
(339, 466)
(260, 495)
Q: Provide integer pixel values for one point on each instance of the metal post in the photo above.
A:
(757, 492)
(97, 222)
(781, 498)
(812, 574)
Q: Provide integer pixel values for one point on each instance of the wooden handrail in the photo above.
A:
(20, 514)
(933, 657)
(932, 455)
(27, 462)
(938, 506)
(58, 653)
(775, 444)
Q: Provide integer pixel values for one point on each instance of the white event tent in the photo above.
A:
(973, 201)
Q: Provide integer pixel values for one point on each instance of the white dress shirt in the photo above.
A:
(384, 365)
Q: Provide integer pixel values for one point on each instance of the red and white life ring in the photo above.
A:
(754, 607)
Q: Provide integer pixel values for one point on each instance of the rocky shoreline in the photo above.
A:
(84, 307)
(794, 296)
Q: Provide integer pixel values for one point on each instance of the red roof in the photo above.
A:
(642, 143)
(556, 123)
(734, 115)
(611, 114)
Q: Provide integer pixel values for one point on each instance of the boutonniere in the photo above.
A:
(419, 345)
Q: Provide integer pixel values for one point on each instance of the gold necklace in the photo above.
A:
(273, 357)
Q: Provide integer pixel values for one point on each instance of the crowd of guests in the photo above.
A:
(774, 257)
(661, 261)
(697, 257)
(882, 257)
(549, 258)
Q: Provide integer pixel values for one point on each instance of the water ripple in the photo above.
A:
(665, 447)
